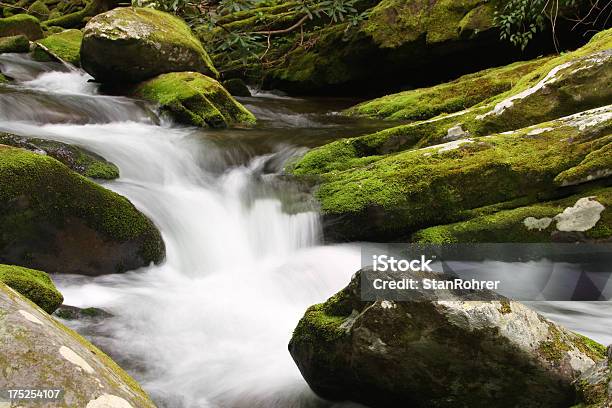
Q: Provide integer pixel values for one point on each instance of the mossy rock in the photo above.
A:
(38, 351)
(65, 46)
(195, 99)
(33, 284)
(237, 87)
(450, 97)
(3, 79)
(594, 386)
(136, 44)
(76, 158)
(391, 196)
(21, 24)
(39, 10)
(16, 43)
(429, 353)
(74, 14)
(67, 312)
(56, 220)
(585, 217)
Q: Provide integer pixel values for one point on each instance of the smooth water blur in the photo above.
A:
(209, 327)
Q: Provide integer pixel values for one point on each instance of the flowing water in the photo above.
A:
(210, 326)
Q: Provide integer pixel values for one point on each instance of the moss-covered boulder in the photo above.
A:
(595, 385)
(75, 13)
(135, 44)
(76, 158)
(21, 24)
(430, 353)
(193, 98)
(584, 217)
(33, 284)
(39, 10)
(16, 43)
(65, 46)
(56, 220)
(390, 196)
(39, 352)
(448, 97)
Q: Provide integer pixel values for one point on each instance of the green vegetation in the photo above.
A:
(195, 99)
(65, 45)
(33, 284)
(39, 10)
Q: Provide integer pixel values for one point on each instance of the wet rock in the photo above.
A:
(40, 352)
(77, 158)
(135, 44)
(56, 220)
(236, 87)
(433, 353)
(21, 24)
(67, 312)
(34, 285)
(195, 99)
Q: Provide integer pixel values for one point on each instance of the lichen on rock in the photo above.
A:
(136, 44)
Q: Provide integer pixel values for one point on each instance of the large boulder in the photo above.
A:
(77, 158)
(34, 285)
(135, 44)
(58, 221)
(21, 24)
(65, 46)
(433, 353)
(195, 99)
(39, 352)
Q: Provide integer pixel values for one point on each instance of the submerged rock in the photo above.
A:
(56, 220)
(65, 46)
(135, 44)
(67, 312)
(432, 353)
(21, 24)
(34, 285)
(195, 99)
(77, 158)
(16, 43)
(40, 352)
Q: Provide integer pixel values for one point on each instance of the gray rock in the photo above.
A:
(39, 352)
(434, 353)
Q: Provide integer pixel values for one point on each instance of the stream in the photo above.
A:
(210, 326)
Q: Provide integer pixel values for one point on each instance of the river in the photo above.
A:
(210, 326)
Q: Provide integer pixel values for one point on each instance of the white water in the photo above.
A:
(209, 327)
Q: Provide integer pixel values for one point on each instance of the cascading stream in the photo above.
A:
(209, 327)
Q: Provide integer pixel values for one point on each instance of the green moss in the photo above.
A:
(449, 97)
(39, 10)
(17, 43)
(591, 348)
(65, 45)
(554, 349)
(33, 284)
(76, 158)
(76, 18)
(38, 192)
(195, 99)
(3, 79)
(20, 24)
